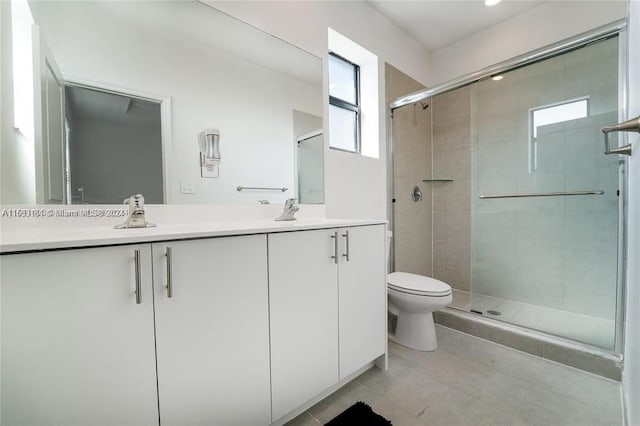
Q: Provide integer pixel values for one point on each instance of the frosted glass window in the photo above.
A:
(559, 113)
(343, 128)
(342, 79)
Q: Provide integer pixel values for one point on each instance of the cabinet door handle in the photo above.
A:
(138, 278)
(346, 236)
(169, 274)
(335, 257)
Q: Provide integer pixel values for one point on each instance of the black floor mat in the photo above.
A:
(359, 414)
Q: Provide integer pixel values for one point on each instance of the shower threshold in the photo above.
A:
(580, 341)
(587, 329)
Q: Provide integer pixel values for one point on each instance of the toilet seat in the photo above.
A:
(418, 285)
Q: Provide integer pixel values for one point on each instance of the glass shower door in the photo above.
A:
(310, 168)
(544, 197)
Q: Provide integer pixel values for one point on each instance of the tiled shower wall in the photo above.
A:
(451, 121)
(558, 252)
(412, 138)
(432, 236)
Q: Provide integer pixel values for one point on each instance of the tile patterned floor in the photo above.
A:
(470, 381)
(583, 328)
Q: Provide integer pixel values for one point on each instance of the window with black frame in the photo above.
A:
(344, 104)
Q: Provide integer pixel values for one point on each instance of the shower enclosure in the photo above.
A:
(526, 212)
(544, 197)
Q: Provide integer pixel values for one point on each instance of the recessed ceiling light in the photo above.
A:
(491, 2)
(497, 78)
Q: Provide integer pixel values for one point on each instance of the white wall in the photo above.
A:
(133, 149)
(355, 186)
(631, 372)
(251, 105)
(17, 161)
(548, 23)
(304, 24)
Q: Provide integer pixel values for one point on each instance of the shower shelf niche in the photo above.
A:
(437, 180)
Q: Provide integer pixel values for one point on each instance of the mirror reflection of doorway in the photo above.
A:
(114, 147)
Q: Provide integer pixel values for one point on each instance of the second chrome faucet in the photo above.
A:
(289, 210)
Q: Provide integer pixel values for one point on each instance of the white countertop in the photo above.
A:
(30, 238)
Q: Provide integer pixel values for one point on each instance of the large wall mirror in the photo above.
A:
(140, 81)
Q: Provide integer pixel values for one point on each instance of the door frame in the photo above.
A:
(42, 58)
(165, 119)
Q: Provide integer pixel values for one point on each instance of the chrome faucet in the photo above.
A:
(136, 218)
(289, 210)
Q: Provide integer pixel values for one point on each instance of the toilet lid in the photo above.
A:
(417, 284)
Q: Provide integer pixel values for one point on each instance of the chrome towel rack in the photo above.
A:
(543, 194)
(261, 188)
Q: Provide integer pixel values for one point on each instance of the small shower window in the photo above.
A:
(344, 104)
(551, 114)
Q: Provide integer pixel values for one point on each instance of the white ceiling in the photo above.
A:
(439, 23)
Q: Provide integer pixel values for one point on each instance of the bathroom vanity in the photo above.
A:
(215, 323)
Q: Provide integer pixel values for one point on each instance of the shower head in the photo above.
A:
(424, 105)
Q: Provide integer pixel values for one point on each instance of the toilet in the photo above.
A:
(413, 299)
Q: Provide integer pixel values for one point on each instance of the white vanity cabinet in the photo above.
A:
(327, 296)
(76, 347)
(362, 295)
(220, 330)
(303, 306)
(212, 331)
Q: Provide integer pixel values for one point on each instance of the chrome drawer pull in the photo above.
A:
(138, 278)
(335, 247)
(346, 235)
(169, 273)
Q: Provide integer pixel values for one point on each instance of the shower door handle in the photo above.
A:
(632, 125)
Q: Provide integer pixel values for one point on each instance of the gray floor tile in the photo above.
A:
(470, 381)
(342, 399)
(304, 419)
(534, 370)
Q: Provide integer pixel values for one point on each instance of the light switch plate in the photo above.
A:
(187, 187)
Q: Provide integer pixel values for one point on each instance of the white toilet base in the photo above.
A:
(416, 331)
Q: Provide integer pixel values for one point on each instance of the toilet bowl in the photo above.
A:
(413, 299)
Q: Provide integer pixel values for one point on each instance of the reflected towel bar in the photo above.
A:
(258, 188)
(544, 194)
